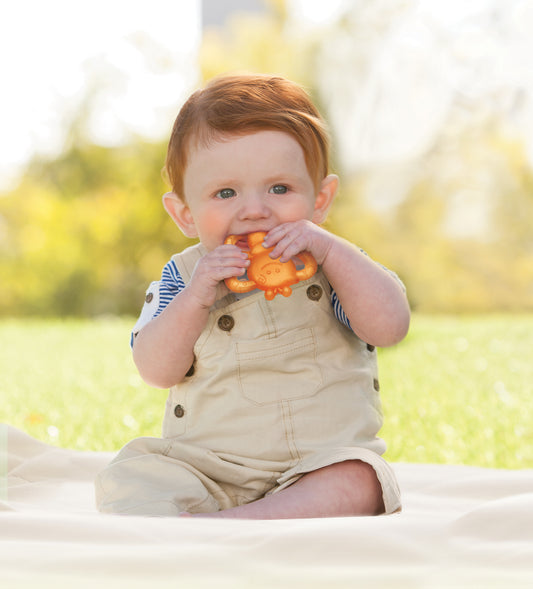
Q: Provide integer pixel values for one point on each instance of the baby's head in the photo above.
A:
(242, 104)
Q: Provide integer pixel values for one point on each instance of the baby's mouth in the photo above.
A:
(241, 241)
(246, 240)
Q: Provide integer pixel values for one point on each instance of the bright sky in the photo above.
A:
(48, 49)
(394, 88)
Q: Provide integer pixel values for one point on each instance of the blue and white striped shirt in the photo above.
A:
(160, 293)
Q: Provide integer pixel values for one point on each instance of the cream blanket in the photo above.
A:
(460, 527)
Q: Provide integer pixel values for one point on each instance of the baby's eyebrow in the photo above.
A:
(215, 185)
(283, 178)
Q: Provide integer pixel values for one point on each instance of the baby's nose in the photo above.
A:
(254, 207)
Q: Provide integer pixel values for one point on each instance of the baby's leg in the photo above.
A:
(343, 489)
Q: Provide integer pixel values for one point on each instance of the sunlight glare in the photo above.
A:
(51, 49)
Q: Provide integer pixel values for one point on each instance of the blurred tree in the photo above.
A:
(269, 43)
(85, 232)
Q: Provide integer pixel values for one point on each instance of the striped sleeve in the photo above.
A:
(170, 285)
(338, 311)
(158, 296)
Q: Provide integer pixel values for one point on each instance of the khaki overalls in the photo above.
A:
(277, 389)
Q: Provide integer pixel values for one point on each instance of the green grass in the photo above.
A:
(73, 383)
(458, 390)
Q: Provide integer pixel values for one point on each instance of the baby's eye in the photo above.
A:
(279, 189)
(225, 193)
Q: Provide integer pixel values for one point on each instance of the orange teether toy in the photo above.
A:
(266, 273)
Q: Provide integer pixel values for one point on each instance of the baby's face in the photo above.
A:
(240, 184)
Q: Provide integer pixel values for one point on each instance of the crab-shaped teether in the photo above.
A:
(266, 273)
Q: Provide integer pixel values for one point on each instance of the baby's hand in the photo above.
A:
(223, 262)
(289, 239)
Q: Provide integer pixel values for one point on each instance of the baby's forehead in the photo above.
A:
(252, 142)
(206, 136)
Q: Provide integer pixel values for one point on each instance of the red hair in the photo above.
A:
(242, 104)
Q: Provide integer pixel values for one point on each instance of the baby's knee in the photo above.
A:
(360, 482)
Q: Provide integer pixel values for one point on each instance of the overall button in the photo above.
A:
(376, 384)
(179, 411)
(149, 297)
(314, 292)
(226, 322)
(370, 347)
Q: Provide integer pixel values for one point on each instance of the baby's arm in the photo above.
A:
(372, 299)
(163, 350)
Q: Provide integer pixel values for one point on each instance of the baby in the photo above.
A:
(274, 407)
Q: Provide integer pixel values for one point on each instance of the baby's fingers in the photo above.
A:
(225, 261)
(287, 244)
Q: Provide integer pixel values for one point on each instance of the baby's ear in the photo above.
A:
(180, 213)
(324, 198)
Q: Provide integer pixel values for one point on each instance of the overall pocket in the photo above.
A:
(279, 369)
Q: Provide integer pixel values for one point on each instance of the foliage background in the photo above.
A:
(84, 231)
